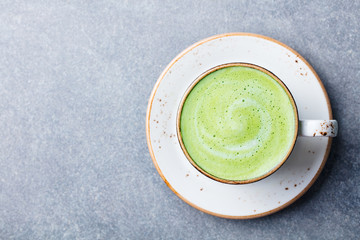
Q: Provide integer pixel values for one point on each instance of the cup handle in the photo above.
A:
(318, 128)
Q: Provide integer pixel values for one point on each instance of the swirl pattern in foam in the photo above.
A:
(237, 123)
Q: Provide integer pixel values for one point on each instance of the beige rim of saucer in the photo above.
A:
(151, 99)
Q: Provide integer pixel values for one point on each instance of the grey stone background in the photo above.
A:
(75, 77)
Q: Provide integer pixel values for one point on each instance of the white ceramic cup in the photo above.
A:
(304, 127)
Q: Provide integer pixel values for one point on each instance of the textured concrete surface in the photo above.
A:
(75, 77)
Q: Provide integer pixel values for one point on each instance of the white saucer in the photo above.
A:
(257, 199)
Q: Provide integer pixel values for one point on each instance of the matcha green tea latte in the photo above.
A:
(237, 123)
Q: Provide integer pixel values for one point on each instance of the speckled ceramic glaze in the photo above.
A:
(237, 201)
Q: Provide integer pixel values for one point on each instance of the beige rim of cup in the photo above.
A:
(197, 80)
(151, 99)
